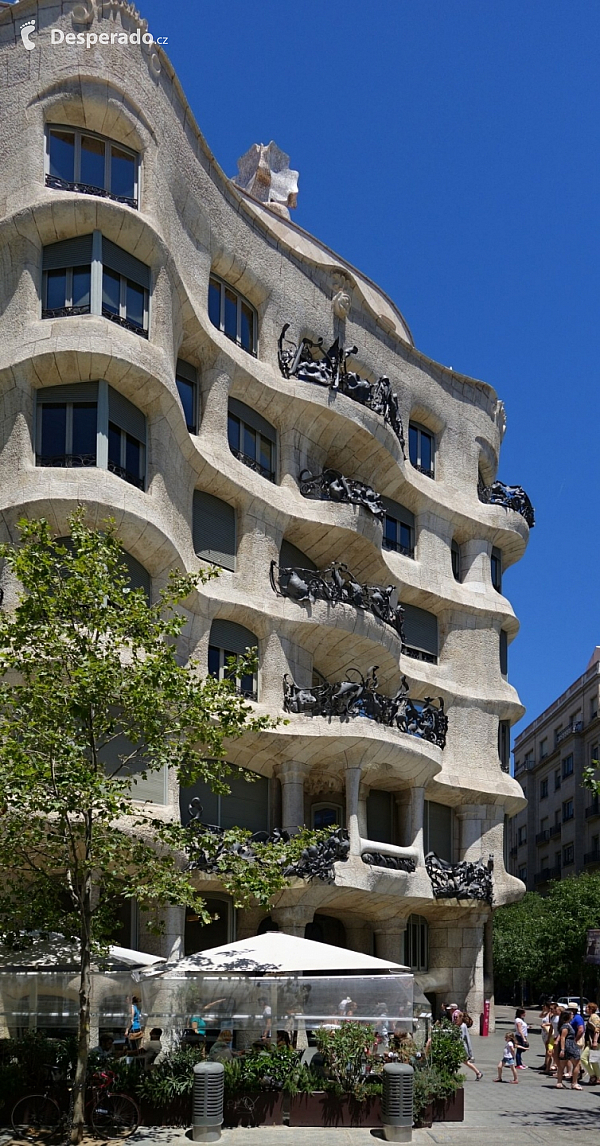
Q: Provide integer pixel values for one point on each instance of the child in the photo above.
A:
(508, 1058)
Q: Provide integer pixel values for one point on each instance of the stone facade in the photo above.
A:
(388, 786)
(558, 833)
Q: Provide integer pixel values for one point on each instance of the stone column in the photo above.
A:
(359, 937)
(293, 920)
(472, 959)
(471, 820)
(170, 944)
(417, 823)
(389, 939)
(363, 792)
(292, 774)
(354, 814)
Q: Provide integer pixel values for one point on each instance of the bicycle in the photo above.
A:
(38, 1117)
(111, 1115)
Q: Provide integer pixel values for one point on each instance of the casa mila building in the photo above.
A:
(177, 354)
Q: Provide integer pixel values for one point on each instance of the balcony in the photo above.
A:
(547, 873)
(576, 726)
(543, 837)
(592, 857)
(337, 584)
(593, 809)
(514, 850)
(555, 830)
(509, 496)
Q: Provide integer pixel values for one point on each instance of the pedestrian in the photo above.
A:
(590, 1056)
(463, 1022)
(521, 1039)
(135, 1030)
(546, 1032)
(569, 1052)
(508, 1058)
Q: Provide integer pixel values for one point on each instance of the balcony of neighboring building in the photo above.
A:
(547, 874)
(593, 809)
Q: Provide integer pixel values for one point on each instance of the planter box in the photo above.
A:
(178, 1112)
(258, 1108)
(323, 1109)
(444, 1110)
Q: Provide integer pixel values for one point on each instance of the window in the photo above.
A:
(522, 873)
(290, 557)
(324, 815)
(568, 854)
(544, 748)
(82, 161)
(420, 634)
(567, 766)
(557, 859)
(437, 830)
(228, 639)
(522, 835)
(187, 387)
(421, 449)
(416, 943)
(496, 568)
(593, 707)
(232, 314)
(544, 789)
(246, 806)
(556, 780)
(504, 744)
(91, 424)
(398, 528)
(380, 816)
(503, 653)
(252, 439)
(199, 936)
(121, 291)
(567, 810)
(455, 557)
(214, 530)
(594, 755)
(557, 816)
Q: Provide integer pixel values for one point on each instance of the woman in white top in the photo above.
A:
(521, 1040)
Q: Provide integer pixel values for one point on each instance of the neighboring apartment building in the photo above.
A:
(142, 297)
(558, 833)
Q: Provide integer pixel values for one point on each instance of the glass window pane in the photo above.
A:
(426, 451)
(247, 328)
(186, 394)
(405, 536)
(122, 173)
(114, 444)
(92, 161)
(62, 155)
(324, 817)
(111, 291)
(413, 445)
(390, 530)
(56, 289)
(84, 428)
(249, 447)
(230, 314)
(214, 302)
(134, 303)
(233, 432)
(213, 660)
(54, 428)
(266, 454)
(133, 457)
(81, 286)
(247, 684)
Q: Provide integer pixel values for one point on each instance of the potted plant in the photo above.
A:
(255, 1085)
(438, 1093)
(339, 1091)
(165, 1091)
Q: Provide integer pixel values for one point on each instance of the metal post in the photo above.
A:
(397, 1104)
(207, 1113)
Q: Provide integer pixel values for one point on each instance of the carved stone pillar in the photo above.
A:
(359, 937)
(170, 943)
(293, 920)
(363, 792)
(292, 774)
(353, 813)
(417, 823)
(389, 939)
(471, 820)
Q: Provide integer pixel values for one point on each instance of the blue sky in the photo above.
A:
(449, 148)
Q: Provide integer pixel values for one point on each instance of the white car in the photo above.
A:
(565, 1000)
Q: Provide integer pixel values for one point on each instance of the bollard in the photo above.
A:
(207, 1110)
(397, 1103)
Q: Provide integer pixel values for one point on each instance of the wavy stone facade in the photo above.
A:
(393, 788)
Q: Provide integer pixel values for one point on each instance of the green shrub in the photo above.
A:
(169, 1079)
(270, 1068)
(25, 1063)
(344, 1053)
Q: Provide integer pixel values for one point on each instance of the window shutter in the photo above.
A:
(420, 629)
(235, 638)
(438, 834)
(125, 264)
(186, 370)
(290, 555)
(394, 509)
(503, 652)
(247, 806)
(208, 799)
(140, 577)
(153, 788)
(75, 252)
(214, 529)
(379, 816)
(252, 419)
(79, 392)
(126, 416)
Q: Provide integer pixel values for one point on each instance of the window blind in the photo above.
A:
(290, 555)
(186, 370)
(126, 416)
(247, 806)
(125, 264)
(397, 511)
(438, 830)
(420, 629)
(232, 637)
(140, 577)
(379, 816)
(252, 419)
(78, 392)
(153, 788)
(74, 252)
(214, 529)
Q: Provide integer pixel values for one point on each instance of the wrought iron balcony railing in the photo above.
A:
(335, 584)
(555, 830)
(509, 496)
(252, 464)
(333, 486)
(126, 475)
(59, 184)
(396, 547)
(547, 873)
(468, 879)
(593, 809)
(65, 311)
(309, 362)
(126, 323)
(574, 726)
(66, 461)
(351, 698)
(592, 857)
(543, 837)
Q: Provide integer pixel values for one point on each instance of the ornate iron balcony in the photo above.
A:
(65, 311)
(252, 464)
(423, 469)
(592, 857)
(126, 323)
(66, 461)
(547, 873)
(465, 880)
(336, 584)
(333, 486)
(510, 496)
(309, 362)
(419, 655)
(126, 475)
(59, 184)
(350, 698)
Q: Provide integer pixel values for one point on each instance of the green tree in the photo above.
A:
(519, 955)
(89, 669)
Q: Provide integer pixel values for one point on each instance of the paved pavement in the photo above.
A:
(533, 1113)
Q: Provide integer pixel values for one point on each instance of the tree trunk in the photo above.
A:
(83, 1034)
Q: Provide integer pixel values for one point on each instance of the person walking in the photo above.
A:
(521, 1037)
(590, 1055)
(508, 1058)
(463, 1021)
(546, 1032)
(569, 1052)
